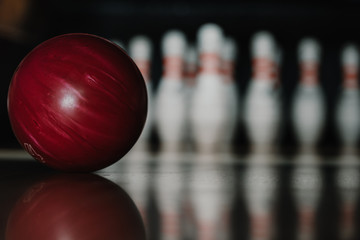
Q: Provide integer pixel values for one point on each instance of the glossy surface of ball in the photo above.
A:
(75, 206)
(77, 102)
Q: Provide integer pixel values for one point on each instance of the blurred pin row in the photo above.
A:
(197, 100)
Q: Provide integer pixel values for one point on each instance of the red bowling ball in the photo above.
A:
(75, 207)
(77, 102)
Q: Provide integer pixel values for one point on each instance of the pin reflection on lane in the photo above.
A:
(306, 186)
(348, 182)
(211, 184)
(133, 173)
(168, 185)
(75, 206)
(260, 188)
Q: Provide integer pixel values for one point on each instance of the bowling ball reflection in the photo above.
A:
(75, 207)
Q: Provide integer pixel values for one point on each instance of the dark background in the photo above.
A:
(26, 23)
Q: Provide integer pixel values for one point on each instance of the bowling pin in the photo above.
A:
(208, 113)
(191, 65)
(229, 54)
(261, 104)
(348, 182)
(140, 50)
(306, 186)
(348, 107)
(170, 98)
(260, 182)
(308, 109)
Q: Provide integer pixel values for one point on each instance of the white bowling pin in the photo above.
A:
(348, 107)
(261, 105)
(208, 113)
(170, 101)
(229, 55)
(308, 103)
(140, 50)
(191, 65)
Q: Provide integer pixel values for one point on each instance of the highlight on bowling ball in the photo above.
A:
(77, 102)
(75, 206)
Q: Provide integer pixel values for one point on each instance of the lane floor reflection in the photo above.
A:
(187, 196)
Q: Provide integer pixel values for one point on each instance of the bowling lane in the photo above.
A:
(192, 196)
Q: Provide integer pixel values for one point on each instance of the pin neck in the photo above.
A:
(350, 75)
(210, 63)
(261, 226)
(307, 218)
(264, 68)
(171, 228)
(173, 67)
(227, 69)
(190, 74)
(144, 67)
(206, 230)
(309, 73)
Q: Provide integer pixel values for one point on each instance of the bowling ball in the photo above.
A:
(75, 206)
(77, 102)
